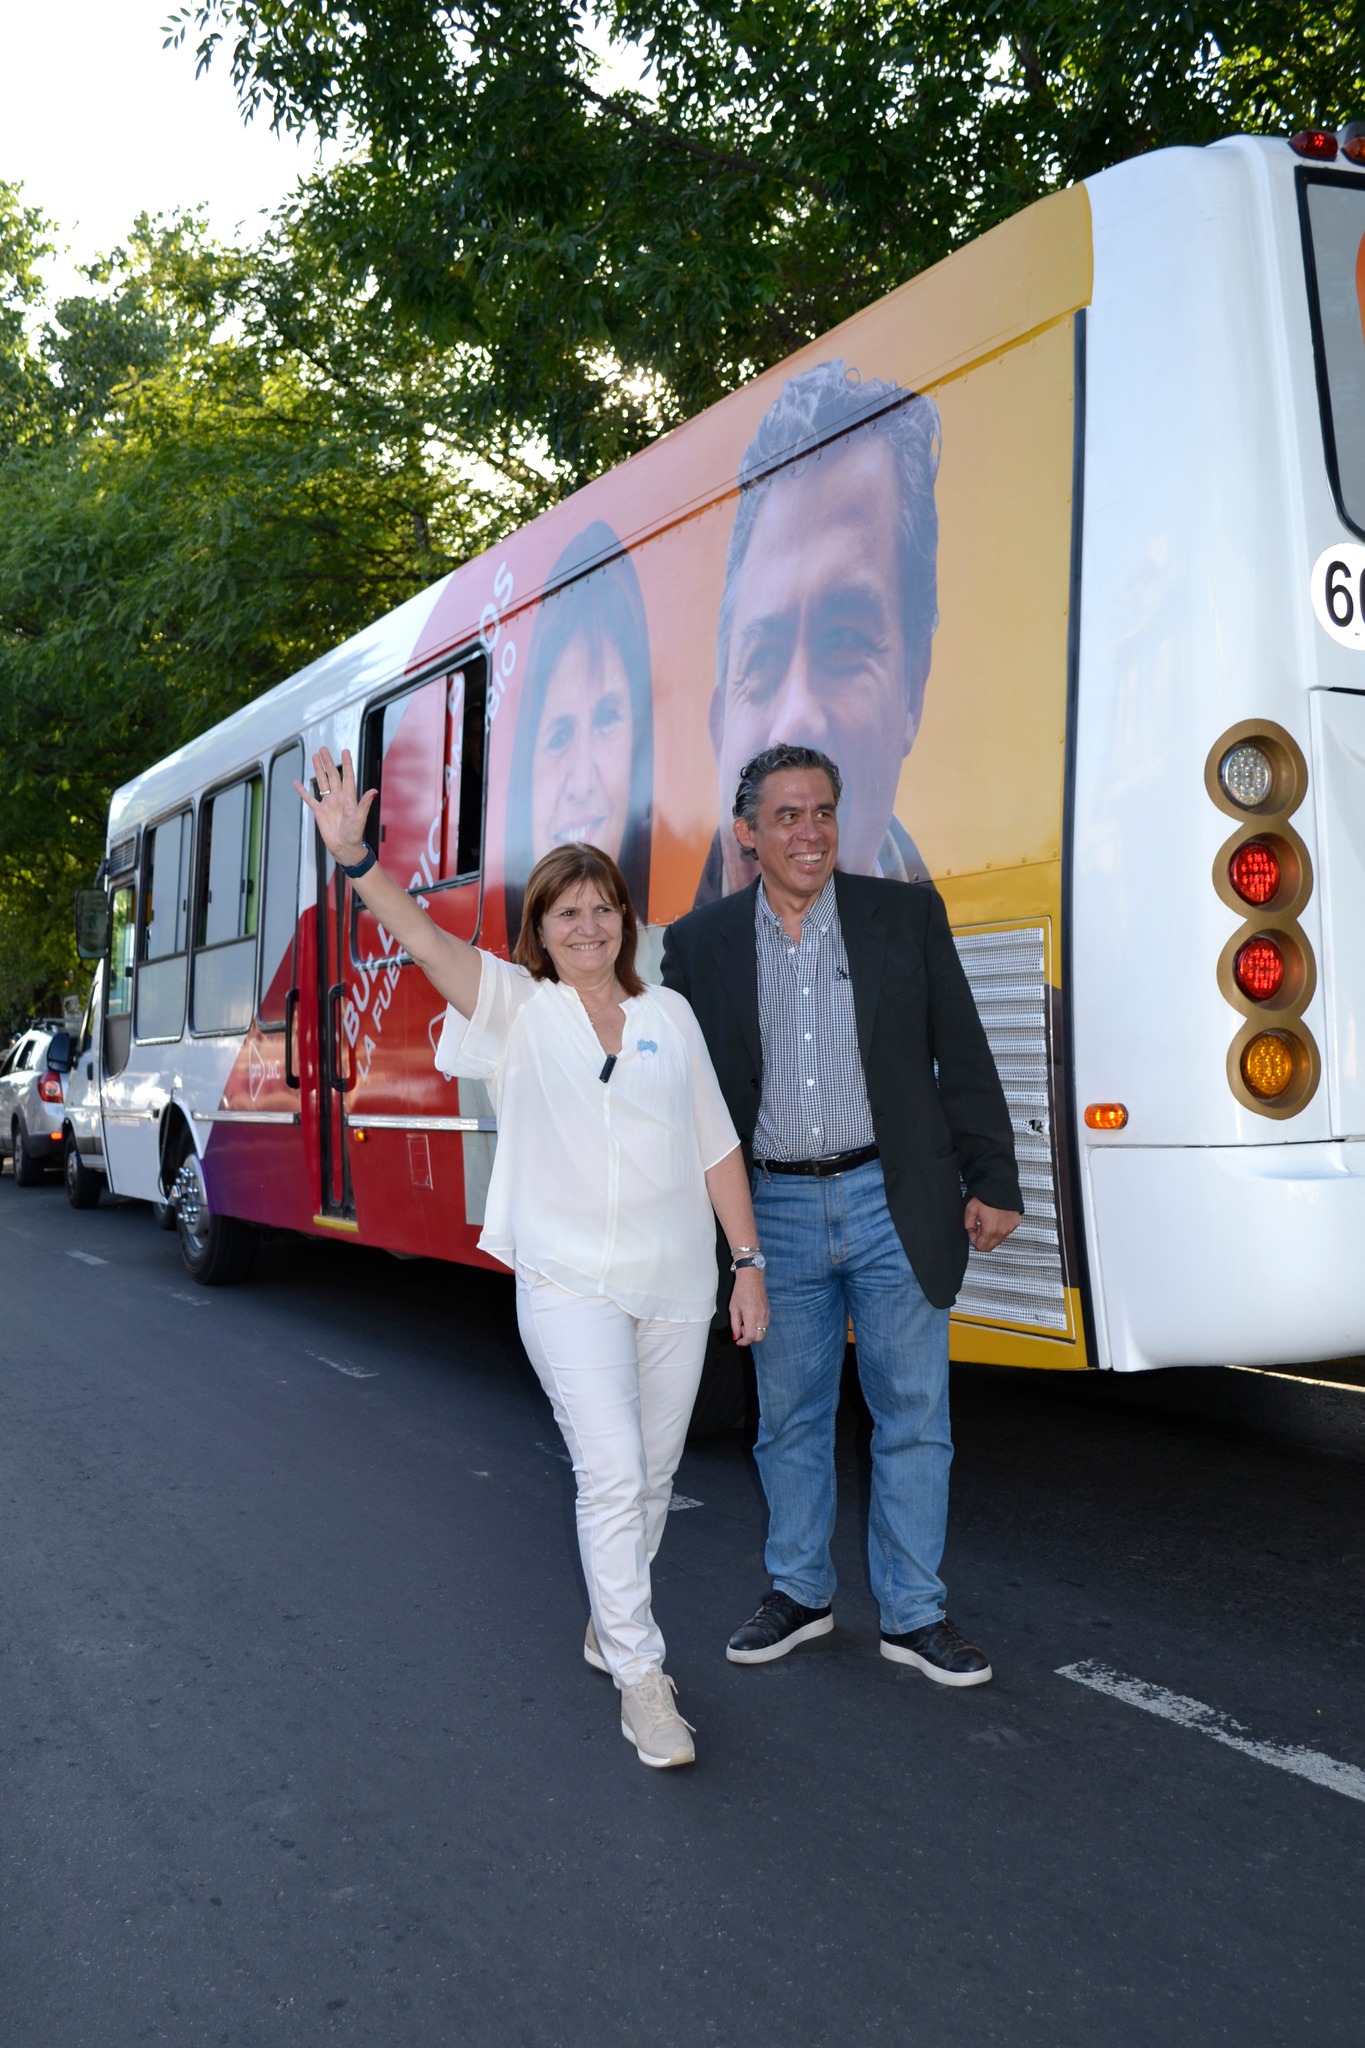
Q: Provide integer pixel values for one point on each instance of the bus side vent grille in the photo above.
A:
(123, 855)
(1024, 1281)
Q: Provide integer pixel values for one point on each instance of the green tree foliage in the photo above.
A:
(612, 257)
(213, 469)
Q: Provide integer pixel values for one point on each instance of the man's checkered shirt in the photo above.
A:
(814, 1094)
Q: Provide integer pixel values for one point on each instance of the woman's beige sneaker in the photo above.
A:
(592, 1650)
(650, 1720)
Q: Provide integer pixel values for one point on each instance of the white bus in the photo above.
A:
(1060, 551)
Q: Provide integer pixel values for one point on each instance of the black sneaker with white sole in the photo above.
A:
(777, 1626)
(940, 1653)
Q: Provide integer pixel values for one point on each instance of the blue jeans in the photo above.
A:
(834, 1255)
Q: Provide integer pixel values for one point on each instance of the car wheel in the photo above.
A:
(217, 1250)
(83, 1188)
(28, 1170)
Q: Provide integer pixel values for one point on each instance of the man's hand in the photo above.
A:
(987, 1227)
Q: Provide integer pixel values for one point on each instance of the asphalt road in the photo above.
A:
(299, 1744)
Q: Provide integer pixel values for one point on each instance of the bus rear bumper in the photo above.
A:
(1246, 1255)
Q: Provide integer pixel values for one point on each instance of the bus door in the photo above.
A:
(423, 749)
(336, 1075)
(129, 1107)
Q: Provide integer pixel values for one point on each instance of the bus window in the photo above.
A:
(163, 952)
(424, 753)
(227, 904)
(469, 721)
(118, 997)
(1335, 247)
(280, 915)
(403, 757)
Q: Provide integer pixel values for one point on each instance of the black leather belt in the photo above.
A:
(836, 1162)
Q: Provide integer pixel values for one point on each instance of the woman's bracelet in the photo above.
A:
(362, 867)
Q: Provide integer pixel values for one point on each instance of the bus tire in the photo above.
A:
(28, 1168)
(83, 1188)
(217, 1250)
(726, 1399)
(163, 1215)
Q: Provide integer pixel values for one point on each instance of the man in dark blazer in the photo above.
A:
(854, 1065)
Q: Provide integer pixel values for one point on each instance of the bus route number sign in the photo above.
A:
(1339, 594)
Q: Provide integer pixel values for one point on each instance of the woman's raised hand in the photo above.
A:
(339, 812)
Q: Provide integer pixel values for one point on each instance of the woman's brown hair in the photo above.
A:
(559, 870)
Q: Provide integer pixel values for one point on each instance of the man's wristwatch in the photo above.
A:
(747, 1255)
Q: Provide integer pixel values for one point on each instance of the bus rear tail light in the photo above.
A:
(1255, 872)
(1318, 144)
(1105, 1116)
(1247, 774)
(1257, 775)
(1268, 1064)
(1259, 968)
(50, 1088)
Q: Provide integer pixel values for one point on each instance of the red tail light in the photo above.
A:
(1254, 872)
(1259, 968)
(50, 1088)
(1318, 143)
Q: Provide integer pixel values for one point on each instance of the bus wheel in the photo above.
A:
(217, 1250)
(28, 1170)
(83, 1188)
(725, 1399)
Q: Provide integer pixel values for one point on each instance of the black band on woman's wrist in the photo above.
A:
(362, 867)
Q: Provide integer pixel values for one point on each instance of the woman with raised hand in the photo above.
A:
(614, 1147)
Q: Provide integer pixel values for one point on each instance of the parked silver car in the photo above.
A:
(32, 1101)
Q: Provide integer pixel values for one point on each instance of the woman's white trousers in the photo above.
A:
(622, 1390)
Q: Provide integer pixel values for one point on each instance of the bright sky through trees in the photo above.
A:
(101, 123)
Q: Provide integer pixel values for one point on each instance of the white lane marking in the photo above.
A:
(1347, 1779)
(87, 1258)
(352, 1372)
(1299, 1379)
(194, 1300)
(681, 1501)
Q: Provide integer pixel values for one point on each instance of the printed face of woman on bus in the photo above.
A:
(581, 932)
(817, 649)
(580, 769)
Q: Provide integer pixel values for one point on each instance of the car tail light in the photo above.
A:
(1320, 144)
(50, 1088)
(1268, 1064)
(1255, 872)
(1105, 1116)
(1260, 968)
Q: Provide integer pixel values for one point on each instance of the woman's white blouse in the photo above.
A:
(598, 1186)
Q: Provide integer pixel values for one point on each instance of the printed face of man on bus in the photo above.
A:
(581, 767)
(828, 613)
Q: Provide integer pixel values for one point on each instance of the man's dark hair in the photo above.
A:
(828, 405)
(771, 761)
